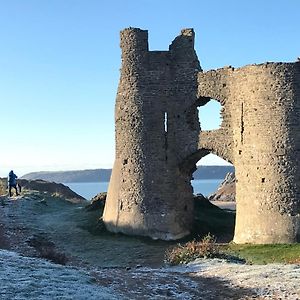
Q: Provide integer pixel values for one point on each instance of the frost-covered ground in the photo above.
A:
(272, 281)
(109, 266)
(32, 278)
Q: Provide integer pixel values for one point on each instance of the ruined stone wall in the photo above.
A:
(260, 135)
(148, 192)
(159, 141)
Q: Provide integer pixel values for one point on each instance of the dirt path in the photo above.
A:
(110, 266)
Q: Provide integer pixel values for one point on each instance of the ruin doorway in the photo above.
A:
(211, 169)
(214, 189)
(210, 173)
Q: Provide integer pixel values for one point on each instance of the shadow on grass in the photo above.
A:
(47, 249)
(220, 289)
(209, 218)
(169, 284)
(4, 242)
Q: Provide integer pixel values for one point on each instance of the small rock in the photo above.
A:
(44, 202)
(97, 202)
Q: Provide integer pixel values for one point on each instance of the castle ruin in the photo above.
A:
(159, 141)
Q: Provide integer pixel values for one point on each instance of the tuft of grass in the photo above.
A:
(182, 254)
(264, 254)
(247, 253)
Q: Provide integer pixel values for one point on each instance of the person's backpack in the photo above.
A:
(11, 177)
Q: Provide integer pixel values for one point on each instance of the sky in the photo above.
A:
(60, 61)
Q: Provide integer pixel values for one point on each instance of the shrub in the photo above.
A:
(182, 254)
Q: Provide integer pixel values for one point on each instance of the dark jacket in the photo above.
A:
(12, 178)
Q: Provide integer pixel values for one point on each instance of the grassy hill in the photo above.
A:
(97, 175)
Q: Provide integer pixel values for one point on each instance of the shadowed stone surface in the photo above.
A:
(159, 141)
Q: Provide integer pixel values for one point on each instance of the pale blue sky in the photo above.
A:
(60, 60)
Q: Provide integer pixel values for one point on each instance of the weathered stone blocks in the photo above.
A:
(159, 141)
(148, 193)
(260, 136)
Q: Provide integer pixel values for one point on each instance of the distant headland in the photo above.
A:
(103, 175)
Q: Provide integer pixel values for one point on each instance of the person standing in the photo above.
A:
(12, 182)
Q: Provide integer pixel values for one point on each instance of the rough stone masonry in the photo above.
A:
(159, 141)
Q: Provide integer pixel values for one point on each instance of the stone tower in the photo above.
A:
(159, 141)
(260, 135)
(156, 129)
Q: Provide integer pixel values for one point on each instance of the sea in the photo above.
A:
(90, 189)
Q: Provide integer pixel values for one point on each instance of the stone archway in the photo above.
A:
(257, 138)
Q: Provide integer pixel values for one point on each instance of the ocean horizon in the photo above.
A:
(90, 189)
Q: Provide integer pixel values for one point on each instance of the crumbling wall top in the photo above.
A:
(134, 38)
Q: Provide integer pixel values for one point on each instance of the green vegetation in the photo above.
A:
(264, 254)
(211, 224)
(214, 224)
(250, 254)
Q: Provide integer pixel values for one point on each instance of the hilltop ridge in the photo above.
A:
(95, 175)
(103, 175)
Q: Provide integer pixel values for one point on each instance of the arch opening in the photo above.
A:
(213, 185)
(211, 171)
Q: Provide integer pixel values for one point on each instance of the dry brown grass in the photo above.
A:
(181, 254)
